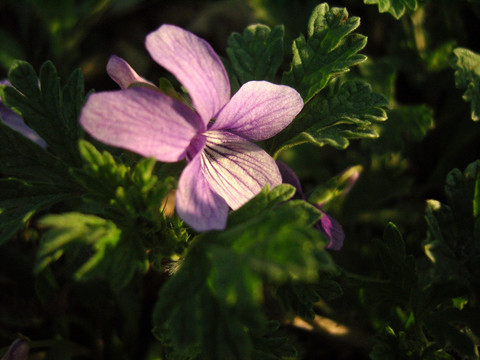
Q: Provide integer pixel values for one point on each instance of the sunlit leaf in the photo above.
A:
(329, 50)
(466, 64)
(395, 7)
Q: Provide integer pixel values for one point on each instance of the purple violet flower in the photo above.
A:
(215, 135)
(15, 122)
(327, 225)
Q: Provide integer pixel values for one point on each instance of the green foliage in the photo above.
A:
(406, 124)
(430, 320)
(335, 189)
(135, 191)
(19, 201)
(346, 112)
(22, 158)
(96, 243)
(453, 242)
(466, 64)
(132, 196)
(51, 111)
(395, 7)
(330, 50)
(399, 267)
(219, 285)
(257, 54)
(41, 176)
(300, 298)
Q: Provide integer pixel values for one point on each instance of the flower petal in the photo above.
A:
(122, 73)
(259, 110)
(196, 203)
(237, 169)
(15, 122)
(289, 177)
(332, 229)
(195, 64)
(142, 120)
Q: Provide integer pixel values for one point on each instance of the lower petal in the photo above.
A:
(237, 169)
(196, 203)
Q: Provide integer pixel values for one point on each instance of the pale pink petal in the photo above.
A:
(195, 64)
(259, 110)
(122, 73)
(237, 169)
(196, 203)
(141, 120)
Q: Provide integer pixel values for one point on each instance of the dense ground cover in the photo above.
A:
(98, 264)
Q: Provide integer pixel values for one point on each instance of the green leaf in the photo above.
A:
(257, 54)
(442, 326)
(98, 244)
(466, 64)
(19, 201)
(213, 300)
(302, 297)
(51, 112)
(399, 267)
(394, 7)
(136, 191)
(335, 189)
(329, 51)
(23, 158)
(347, 112)
(263, 201)
(272, 344)
(405, 124)
(453, 233)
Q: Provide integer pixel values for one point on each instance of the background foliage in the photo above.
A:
(90, 265)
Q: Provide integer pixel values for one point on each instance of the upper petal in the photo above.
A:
(142, 120)
(259, 110)
(196, 203)
(195, 64)
(122, 73)
(235, 168)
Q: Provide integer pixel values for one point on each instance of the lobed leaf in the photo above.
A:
(466, 64)
(46, 108)
(19, 201)
(265, 200)
(395, 7)
(406, 124)
(112, 257)
(21, 157)
(212, 301)
(347, 112)
(257, 54)
(329, 50)
(453, 235)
